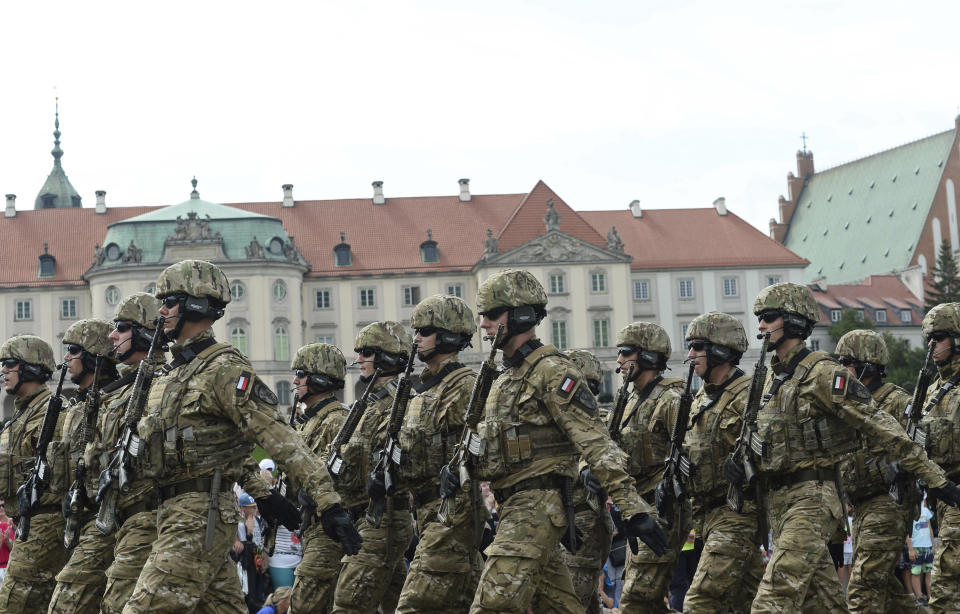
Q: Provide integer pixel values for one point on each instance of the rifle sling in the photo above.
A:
(120, 382)
(942, 392)
(784, 375)
(716, 395)
(647, 390)
(313, 411)
(188, 354)
(433, 380)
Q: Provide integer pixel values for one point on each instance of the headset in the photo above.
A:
(194, 309)
(446, 342)
(646, 360)
(318, 383)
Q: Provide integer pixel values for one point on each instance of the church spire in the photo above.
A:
(57, 191)
(57, 153)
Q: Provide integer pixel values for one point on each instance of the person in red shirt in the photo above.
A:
(7, 531)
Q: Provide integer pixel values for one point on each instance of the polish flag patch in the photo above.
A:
(242, 383)
(568, 385)
(839, 383)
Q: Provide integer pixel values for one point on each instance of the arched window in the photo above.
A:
(281, 343)
(428, 249)
(112, 295)
(237, 290)
(238, 338)
(342, 256)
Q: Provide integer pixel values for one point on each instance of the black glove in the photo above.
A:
(948, 493)
(663, 500)
(449, 482)
(338, 527)
(376, 488)
(565, 540)
(276, 510)
(734, 472)
(591, 483)
(646, 528)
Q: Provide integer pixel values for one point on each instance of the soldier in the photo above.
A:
(201, 421)
(81, 582)
(880, 525)
(592, 517)
(731, 566)
(539, 419)
(26, 363)
(319, 371)
(813, 411)
(446, 567)
(375, 575)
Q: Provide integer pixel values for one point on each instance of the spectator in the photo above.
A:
(683, 573)
(248, 553)
(920, 552)
(618, 555)
(7, 532)
(609, 600)
(844, 571)
(268, 471)
(278, 602)
(287, 554)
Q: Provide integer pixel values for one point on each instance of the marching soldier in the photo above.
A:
(731, 566)
(814, 408)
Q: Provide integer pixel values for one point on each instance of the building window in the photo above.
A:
(112, 295)
(47, 265)
(428, 250)
(683, 335)
(641, 290)
(906, 316)
(815, 345)
(323, 299)
(881, 316)
(598, 282)
(685, 288)
(860, 314)
(773, 279)
(601, 333)
(730, 287)
(559, 334)
(237, 290)
(342, 255)
(275, 246)
(455, 290)
(283, 392)
(325, 339)
(68, 308)
(279, 290)
(281, 343)
(24, 310)
(238, 338)
(411, 296)
(368, 297)
(557, 283)
(835, 315)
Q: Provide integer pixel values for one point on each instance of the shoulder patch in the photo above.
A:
(568, 385)
(243, 382)
(839, 383)
(262, 392)
(857, 390)
(585, 399)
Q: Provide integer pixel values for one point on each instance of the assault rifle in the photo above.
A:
(29, 493)
(616, 416)
(471, 445)
(76, 498)
(671, 488)
(334, 460)
(748, 439)
(115, 479)
(391, 453)
(901, 482)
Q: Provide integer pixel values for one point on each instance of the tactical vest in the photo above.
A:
(512, 444)
(309, 424)
(427, 448)
(182, 440)
(795, 431)
(357, 453)
(706, 449)
(863, 474)
(16, 454)
(942, 425)
(647, 442)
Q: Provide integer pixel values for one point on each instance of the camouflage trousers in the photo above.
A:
(524, 566)
(587, 564)
(445, 570)
(180, 574)
(945, 581)
(316, 575)
(880, 527)
(800, 576)
(133, 543)
(376, 574)
(81, 582)
(731, 565)
(33, 566)
(647, 576)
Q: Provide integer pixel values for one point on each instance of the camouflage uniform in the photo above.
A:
(33, 563)
(880, 526)
(375, 575)
(645, 436)
(446, 567)
(539, 419)
(202, 419)
(821, 402)
(322, 417)
(731, 566)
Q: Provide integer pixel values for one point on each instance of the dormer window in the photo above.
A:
(47, 265)
(49, 201)
(342, 256)
(428, 250)
(75, 201)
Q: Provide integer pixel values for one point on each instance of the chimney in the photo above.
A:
(464, 190)
(288, 195)
(378, 198)
(101, 201)
(778, 231)
(804, 163)
(11, 210)
(635, 209)
(720, 205)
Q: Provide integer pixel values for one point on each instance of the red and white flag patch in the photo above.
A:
(568, 385)
(242, 383)
(839, 383)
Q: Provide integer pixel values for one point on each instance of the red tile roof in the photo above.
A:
(876, 292)
(689, 238)
(527, 221)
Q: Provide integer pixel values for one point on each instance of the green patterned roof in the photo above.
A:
(865, 217)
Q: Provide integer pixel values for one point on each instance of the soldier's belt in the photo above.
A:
(146, 504)
(776, 482)
(541, 482)
(202, 485)
(427, 495)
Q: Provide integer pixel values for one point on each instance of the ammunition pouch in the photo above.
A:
(513, 446)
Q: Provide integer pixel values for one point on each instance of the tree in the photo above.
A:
(945, 287)
(904, 363)
(851, 319)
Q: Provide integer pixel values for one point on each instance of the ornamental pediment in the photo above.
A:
(555, 247)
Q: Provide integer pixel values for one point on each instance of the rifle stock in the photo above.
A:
(671, 488)
(747, 438)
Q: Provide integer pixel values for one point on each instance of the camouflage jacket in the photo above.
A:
(941, 422)
(319, 423)
(18, 447)
(366, 440)
(645, 430)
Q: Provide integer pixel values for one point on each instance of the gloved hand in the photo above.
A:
(734, 472)
(376, 487)
(948, 493)
(338, 527)
(565, 540)
(449, 482)
(663, 500)
(591, 483)
(275, 509)
(646, 528)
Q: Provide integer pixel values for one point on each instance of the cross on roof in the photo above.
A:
(803, 137)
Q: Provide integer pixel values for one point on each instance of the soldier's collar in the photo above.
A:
(778, 364)
(529, 347)
(188, 353)
(179, 346)
(947, 370)
(315, 409)
(25, 401)
(432, 380)
(710, 389)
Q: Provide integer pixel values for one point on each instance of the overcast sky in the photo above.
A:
(672, 103)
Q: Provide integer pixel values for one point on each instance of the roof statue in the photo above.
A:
(57, 191)
(552, 218)
(194, 229)
(614, 242)
(254, 250)
(490, 247)
(290, 251)
(134, 254)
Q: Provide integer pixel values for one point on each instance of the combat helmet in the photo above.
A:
(449, 317)
(201, 287)
(944, 319)
(34, 355)
(649, 341)
(796, 304)
(92, 336)
(516, 292)
(390, 343)
(324, 365)
(725, 337)
(141, 311)
(865, 350)
(590, 367)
